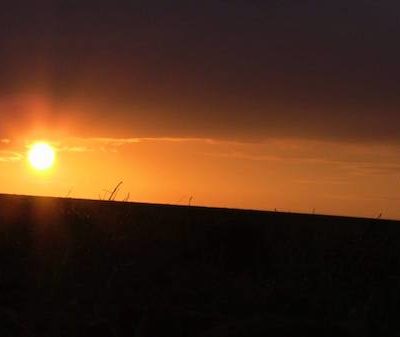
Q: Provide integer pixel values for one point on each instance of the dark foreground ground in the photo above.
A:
(92, 268)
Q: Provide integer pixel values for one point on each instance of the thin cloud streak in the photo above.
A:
(134, 140)
(10, 156)
(75, 149)
(112, 144)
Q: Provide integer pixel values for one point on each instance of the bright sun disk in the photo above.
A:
(41, 156)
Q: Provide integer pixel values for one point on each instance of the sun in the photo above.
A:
(41, 156)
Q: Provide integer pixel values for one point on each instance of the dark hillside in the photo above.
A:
(94, 268)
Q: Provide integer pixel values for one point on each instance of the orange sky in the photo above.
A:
(295, 175)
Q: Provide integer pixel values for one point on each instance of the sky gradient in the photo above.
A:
(291, 105)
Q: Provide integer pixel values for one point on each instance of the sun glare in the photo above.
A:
(41, 156)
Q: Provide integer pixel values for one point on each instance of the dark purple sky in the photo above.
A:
(225, 69)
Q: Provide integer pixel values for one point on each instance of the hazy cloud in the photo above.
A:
(126, 141)
(82, 144)
(100, 144)
(76, 149)
(10, 156)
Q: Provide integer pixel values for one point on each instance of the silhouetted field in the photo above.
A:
(95, 268)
